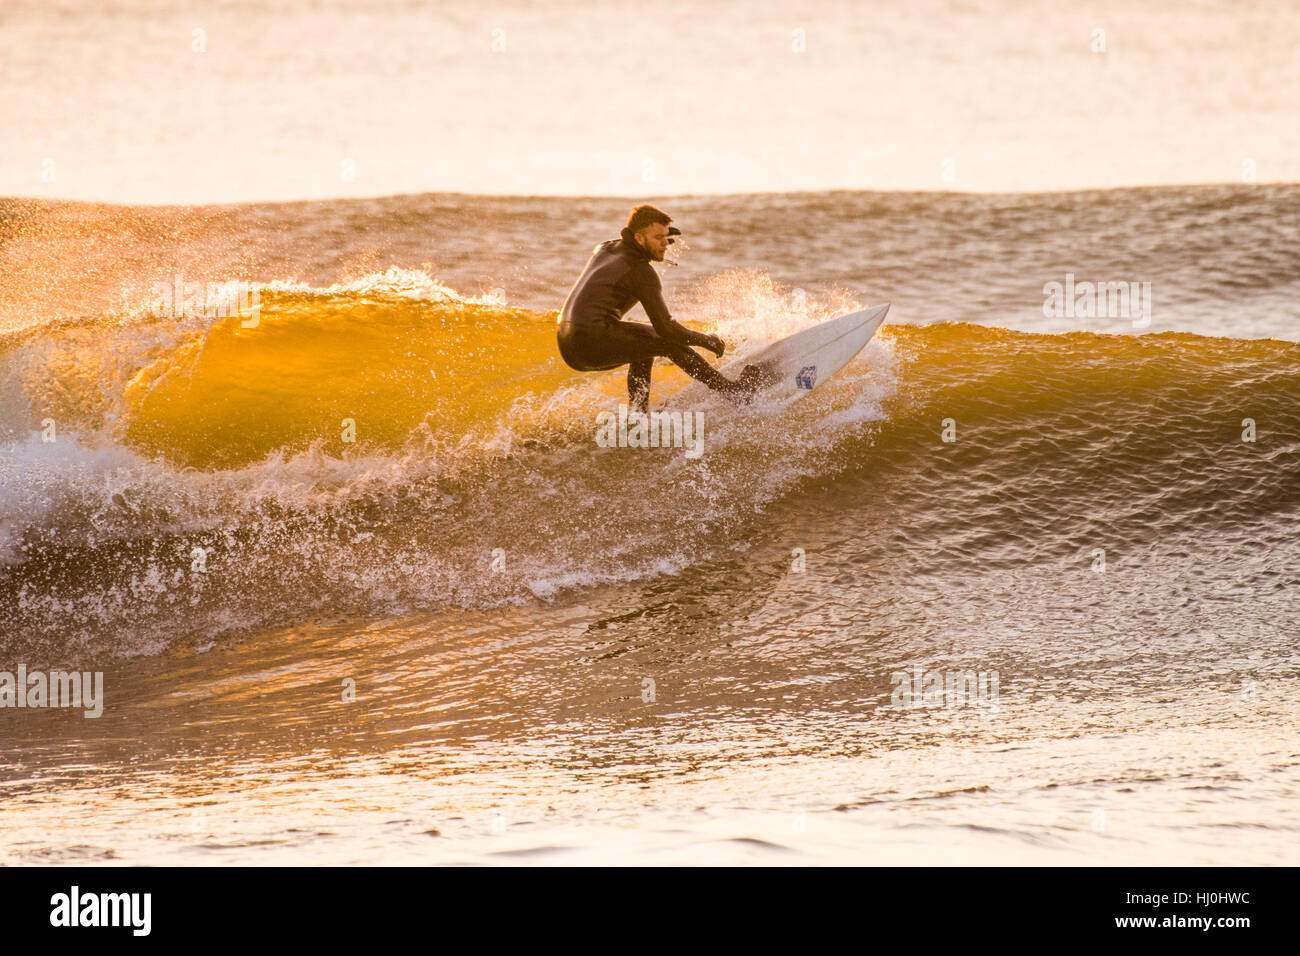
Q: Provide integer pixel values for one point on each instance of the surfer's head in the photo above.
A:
(648, 227)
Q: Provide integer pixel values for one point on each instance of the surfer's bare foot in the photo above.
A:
(759, 376)
(750, 380)
(751, 377)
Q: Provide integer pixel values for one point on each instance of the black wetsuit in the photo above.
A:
(593, 336)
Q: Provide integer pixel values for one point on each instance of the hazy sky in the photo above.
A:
(141, 101)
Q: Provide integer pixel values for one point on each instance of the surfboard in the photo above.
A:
(798, 363)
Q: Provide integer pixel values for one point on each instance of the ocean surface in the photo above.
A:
(472, 634)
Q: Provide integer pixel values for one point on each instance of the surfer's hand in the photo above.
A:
(713, 344)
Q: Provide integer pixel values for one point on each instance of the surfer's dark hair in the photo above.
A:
(647, 215)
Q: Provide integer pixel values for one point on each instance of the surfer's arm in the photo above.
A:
(650, 292)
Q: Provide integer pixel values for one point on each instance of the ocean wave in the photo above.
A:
(201, 483)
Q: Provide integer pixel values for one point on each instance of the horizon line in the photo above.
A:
(634, 197)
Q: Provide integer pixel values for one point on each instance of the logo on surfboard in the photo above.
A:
(807, 375)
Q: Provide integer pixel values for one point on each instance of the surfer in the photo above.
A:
(593, 336)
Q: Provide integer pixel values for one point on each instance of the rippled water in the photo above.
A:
(524, 737)
(473, 635)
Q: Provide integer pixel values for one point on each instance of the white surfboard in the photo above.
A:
(798, 363)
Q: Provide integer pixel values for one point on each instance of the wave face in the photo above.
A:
(201, 481)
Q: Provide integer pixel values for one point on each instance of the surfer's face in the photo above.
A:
(654, 240)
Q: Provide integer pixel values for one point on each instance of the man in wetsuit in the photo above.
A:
(593, 336)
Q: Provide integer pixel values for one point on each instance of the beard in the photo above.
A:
(649, 251)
